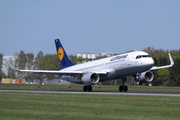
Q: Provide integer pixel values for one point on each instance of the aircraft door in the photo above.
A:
(129, 61)
(135, 60)
(132, 61)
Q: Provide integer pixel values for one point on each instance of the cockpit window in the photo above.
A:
(139, 56)
(142, 56)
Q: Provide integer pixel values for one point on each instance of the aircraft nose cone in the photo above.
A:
(150, 62)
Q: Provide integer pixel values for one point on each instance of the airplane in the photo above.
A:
(139, 64)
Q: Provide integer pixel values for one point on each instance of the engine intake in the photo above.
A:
(90, 78)
(145, 77)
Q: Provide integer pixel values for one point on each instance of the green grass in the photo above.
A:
(95, 88)
(46, 106)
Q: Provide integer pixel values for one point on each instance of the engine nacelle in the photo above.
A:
(90, 78)
(145, 77)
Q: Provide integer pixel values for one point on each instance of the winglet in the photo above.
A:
(171, 60)
(63, 59)
(166, 66)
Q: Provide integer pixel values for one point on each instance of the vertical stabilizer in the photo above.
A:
(63, 59)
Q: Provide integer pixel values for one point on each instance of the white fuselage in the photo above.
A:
(116, 66)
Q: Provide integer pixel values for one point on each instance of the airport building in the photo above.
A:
(5, 67)
(108, 54)
(87, 55)
(92, 55)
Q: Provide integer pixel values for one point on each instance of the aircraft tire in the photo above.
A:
(125, 88)
(121, 88)
(89, 88)
(140, 83)
(85, 88)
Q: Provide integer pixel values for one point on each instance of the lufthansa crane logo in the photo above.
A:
(60, 53)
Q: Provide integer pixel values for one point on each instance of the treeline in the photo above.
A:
(28, 61)
(22, 60)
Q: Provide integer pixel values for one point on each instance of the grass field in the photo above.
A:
(95, 88)
(46, 106)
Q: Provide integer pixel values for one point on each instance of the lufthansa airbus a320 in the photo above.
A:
(137, 63)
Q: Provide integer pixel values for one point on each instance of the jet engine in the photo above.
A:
(145, 77)
(90, 78)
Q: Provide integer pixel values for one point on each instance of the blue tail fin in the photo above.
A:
(63, 59)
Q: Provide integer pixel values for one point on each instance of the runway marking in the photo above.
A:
(96, 93)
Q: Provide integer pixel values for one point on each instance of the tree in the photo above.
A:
(77, 60)
(1, 63)
(21, 63)
(22, 60)
(163, 77)
(175, 73)
(30, 61)
(48, 62)
(40, 54)
(36, 59)
(30, 64)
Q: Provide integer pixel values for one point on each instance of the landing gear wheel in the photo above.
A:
(85, 88)
(123, 88)
(89, 88)
(120, 88)
(140, 83)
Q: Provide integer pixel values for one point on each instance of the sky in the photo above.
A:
(88, 25)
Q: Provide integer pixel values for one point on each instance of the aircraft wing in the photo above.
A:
(166, 66)
(54, 72)
(60, 72)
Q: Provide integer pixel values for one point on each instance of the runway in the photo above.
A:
(96, 92)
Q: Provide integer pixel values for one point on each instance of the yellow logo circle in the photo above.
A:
(60, 53)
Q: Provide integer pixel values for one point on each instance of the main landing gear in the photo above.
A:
(87, 88)
(123, 87)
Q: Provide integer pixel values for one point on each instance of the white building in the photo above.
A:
(87, 55)
(5, 66)
(108, 54)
